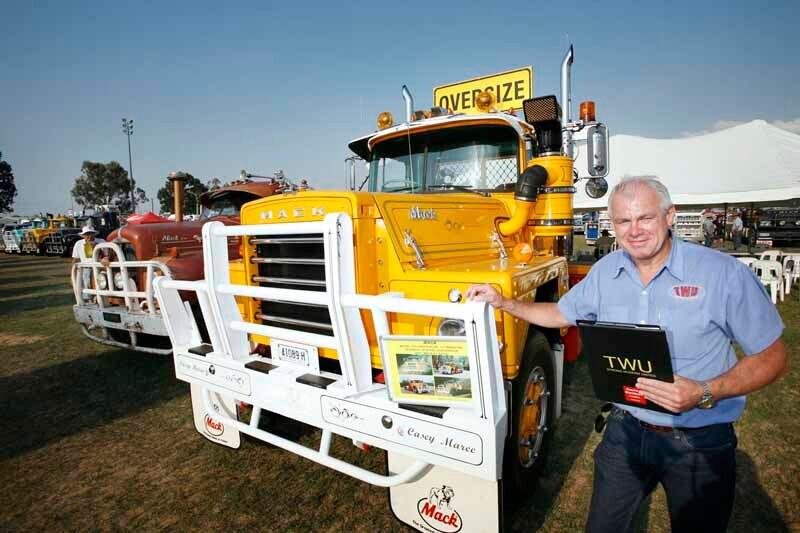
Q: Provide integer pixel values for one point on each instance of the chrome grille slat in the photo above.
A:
(287, 240)
(287, 261)
(294, 321)
(291, 262)
(289, 281)
(293, 303)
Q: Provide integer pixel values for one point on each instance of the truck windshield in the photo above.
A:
(223, 207)
(473, 157)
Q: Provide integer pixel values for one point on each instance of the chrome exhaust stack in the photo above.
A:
(178, 180)
(566, 102)
(409, 100)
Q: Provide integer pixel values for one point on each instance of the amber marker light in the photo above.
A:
(385, 120)
(522, 252)
(485, 101)
(587, 111)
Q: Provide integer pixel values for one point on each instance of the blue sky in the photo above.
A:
(265, 86)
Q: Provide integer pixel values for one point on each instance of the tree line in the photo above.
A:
(107, 184)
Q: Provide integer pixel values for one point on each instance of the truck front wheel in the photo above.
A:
(532, 412)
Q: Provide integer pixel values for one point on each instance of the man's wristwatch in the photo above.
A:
(707, 400)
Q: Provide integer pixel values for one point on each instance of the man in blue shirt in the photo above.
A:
(705, 301)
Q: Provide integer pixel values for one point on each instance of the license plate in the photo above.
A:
(764, 242)
(112, 317)
(295, 353)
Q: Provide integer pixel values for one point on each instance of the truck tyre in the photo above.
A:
(532, 416)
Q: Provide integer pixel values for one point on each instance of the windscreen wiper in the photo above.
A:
(404, 189)
(454, 187)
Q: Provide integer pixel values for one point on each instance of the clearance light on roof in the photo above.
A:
(485, 101)
(587, 111)
(385, 120)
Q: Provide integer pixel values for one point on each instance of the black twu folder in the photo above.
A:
(619, 353)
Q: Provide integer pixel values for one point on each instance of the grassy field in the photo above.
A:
(97, 438)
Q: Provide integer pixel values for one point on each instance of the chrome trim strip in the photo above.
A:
(287, 240)
(289, 281)
(287, 260)
(294, 321)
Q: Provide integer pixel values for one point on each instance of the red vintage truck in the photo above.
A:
(114, 300)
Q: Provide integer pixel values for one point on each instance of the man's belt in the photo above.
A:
(664, 429)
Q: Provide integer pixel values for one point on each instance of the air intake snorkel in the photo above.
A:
(525, 194)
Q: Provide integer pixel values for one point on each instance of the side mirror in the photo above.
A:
(597, 151)
(350, 173)
(596, 187)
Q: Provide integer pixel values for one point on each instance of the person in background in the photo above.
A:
(737, 228)
(83, 250)
(603, 245)
(704, 301)
(708, 231)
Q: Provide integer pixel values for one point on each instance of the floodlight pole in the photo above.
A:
(127, 129)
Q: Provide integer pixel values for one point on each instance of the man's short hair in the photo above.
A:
(628, 184)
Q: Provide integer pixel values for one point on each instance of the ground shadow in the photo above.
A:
(50, 403)
(753, 509)
(574, 428)
(16, 263)
(31, 279)
(37, 302)
(18, 291)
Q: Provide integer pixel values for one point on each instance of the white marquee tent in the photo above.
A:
(750, 163)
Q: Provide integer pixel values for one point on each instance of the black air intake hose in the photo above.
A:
(529, 182)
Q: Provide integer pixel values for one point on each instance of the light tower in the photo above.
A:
(127, 129)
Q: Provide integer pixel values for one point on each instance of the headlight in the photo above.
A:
(118, 281)
(782, 223)
(451, 327)
(102, 282)
(765, 223)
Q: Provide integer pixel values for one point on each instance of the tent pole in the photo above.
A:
(724, 224)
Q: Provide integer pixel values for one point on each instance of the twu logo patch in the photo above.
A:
(687, 292)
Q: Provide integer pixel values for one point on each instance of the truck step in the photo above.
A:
(260, 366)
(315, 381)
(204, 349)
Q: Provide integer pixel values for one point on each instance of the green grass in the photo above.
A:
(97, 438)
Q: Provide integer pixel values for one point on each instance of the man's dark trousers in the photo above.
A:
(696, 467)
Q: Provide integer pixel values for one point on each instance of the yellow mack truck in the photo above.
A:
(33, 239)
(346, 306)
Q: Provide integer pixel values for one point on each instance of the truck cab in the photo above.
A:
(34, 241)
(115, 304)
(351, 316)
(12, 236)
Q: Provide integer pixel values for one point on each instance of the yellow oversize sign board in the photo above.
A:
(510, 89)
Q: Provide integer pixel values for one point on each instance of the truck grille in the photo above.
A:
(292, 262)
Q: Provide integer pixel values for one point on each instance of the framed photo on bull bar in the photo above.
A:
(426, 370)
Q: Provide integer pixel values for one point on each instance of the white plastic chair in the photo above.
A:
(771, 255)
(748, 261)
(796, 270)
(771, 275)
(790, 272)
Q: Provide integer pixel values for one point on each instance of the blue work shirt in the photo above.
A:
(703, 299)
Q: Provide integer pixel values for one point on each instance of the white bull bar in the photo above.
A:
(139, 314)
(350, 404)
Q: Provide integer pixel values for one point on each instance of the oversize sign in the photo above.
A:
(510, 89)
